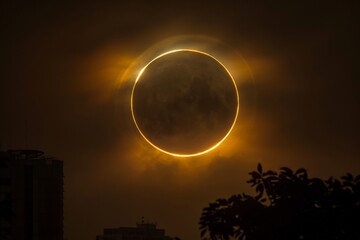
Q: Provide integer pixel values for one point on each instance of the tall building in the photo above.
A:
(142, 231)
(31, 187)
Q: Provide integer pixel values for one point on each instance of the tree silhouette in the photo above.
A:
(287, 205)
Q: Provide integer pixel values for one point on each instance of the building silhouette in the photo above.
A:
(32, 184)
(142, 231)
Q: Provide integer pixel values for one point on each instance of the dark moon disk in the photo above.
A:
(184, 102)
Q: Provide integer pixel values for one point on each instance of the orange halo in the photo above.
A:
(177, 154)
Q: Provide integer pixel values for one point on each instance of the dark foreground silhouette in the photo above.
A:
(287, 205)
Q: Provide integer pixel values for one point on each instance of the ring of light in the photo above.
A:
(177, 154)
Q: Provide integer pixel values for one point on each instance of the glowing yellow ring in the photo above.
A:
(176, 154)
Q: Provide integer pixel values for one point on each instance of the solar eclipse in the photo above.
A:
(184, 102)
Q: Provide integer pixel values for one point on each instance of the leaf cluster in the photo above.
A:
(287, 205)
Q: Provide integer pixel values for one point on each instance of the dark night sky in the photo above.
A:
(59, 93)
